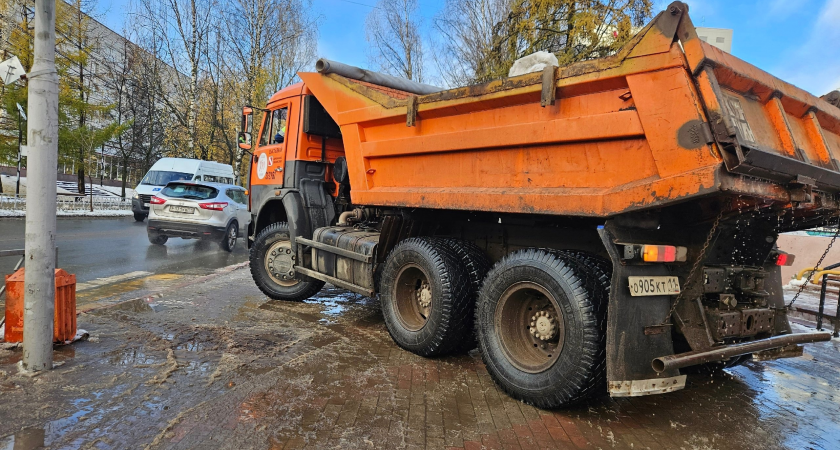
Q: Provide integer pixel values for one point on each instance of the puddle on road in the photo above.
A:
(135, 356)
(337, 303)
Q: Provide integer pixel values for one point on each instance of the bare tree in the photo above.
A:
(466, 32)
(270, 41)
(393, 33)
(183, 28)
(482, 38)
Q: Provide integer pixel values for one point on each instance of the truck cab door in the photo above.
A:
(270, 156)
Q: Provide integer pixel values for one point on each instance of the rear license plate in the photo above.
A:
(181, 209)
(646, 286)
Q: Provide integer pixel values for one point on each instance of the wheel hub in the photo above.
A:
(543, 325)
(424, 295)
(279, 263)
(412, 293)
(531, 327)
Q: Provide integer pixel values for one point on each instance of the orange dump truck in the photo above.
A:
(591, 228)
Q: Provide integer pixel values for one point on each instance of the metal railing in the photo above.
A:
(69, 203)
(826, 279)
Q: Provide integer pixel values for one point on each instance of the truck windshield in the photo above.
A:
(189, 191)
(161, 178)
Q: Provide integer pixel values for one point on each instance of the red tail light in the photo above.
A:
(215, 206)
(155, 200)
(784, 259)
(663, 253)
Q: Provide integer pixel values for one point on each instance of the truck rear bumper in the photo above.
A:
(725, 352)
(638, 388)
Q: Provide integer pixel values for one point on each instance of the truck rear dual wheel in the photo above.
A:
(272, 266)
(476, 263)
(540, 320)
(427, 297)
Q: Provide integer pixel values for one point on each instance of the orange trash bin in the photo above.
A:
(64, 325)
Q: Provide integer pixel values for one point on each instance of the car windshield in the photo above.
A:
(161, 178)
(189, 191)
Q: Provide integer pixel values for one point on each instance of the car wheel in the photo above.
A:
(231, 234)
(271, 261)
(157, 239)
(139, 217)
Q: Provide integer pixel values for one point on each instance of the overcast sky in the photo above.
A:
(796, 40)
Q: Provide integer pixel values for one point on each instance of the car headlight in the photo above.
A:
(136, 195)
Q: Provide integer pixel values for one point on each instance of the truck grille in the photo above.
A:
(144, 199)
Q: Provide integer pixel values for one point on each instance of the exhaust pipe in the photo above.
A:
(664, 363)
(326, 66)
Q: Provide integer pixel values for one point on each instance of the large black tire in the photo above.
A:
(425, 293)
(275, 237)
(477, 264)
(139, 217)
(228, 242)
(598, 282)
(556, 302)
(157, 239)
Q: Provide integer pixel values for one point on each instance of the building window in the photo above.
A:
(720, 40)
(704, 38)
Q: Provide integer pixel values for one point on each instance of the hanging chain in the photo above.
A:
(816, 267)
(694, 268)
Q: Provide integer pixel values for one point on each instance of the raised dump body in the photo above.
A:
(614, 220)
(649, 126)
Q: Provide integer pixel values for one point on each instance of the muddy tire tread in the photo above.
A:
(477, 264)
(586, 287)
(307, 288)
(455, 303)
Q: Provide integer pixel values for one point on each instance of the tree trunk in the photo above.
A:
(124, 166)
(81, 179)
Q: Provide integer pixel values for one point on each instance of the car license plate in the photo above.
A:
(181, 209)
(645, 286)
(146, 205)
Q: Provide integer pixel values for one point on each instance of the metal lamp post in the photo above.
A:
(42, 142)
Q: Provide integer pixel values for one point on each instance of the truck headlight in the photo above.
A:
(136, 195)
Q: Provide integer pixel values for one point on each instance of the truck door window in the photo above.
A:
(278, 125)
(266, 130)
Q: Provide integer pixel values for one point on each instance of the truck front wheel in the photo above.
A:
(426, 301)
(272, 266)
(540, 327)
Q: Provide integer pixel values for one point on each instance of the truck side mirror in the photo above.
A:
(247, 123)
(244, 140)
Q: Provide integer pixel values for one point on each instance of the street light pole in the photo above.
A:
(42, 140)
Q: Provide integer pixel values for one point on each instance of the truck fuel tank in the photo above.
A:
(351, 270)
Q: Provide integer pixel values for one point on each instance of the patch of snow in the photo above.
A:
(75, 213)
(794, 283)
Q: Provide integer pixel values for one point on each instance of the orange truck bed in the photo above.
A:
(667, 119)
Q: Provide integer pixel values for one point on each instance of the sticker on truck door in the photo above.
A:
(645, 286)
(262, 166)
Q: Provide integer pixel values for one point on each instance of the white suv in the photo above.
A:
(199, 210)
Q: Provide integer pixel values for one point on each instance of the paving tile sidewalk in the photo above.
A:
(216, 365)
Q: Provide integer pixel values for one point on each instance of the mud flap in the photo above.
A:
(629, 350)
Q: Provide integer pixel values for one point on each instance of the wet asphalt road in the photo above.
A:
(216, 365)
(105, 247)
